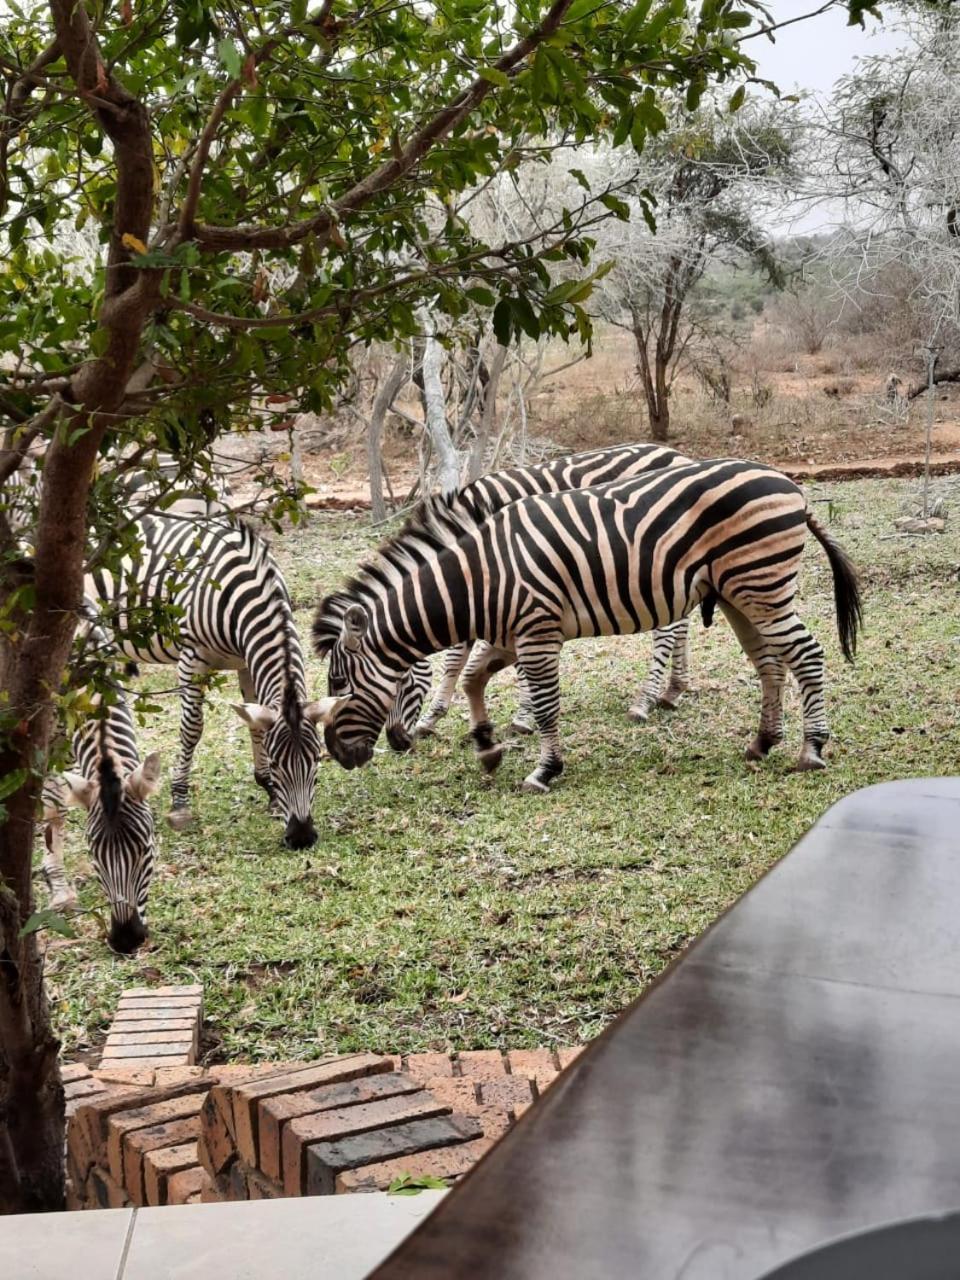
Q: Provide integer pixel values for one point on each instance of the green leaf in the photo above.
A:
(47, 919)
(482, 297)
(408, 1185)
(581, 178)
(12, 782)
(616, 206)
(493, 75)
(736, 101)
(580, 9)
(229, 55)
(525, 316)
(635, 19)
(503, 321)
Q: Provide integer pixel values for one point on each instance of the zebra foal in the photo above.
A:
(624, 557)
(113, 785)
(574, 471)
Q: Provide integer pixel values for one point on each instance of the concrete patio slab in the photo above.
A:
(313, 1238)
(52, 1246)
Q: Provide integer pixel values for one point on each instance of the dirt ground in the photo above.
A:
(816, 416)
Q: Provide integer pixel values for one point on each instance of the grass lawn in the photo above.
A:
(440, 909)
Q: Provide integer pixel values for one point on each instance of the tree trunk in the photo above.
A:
(387, 392)
(655, 388)
(488, 416)
(434, 410)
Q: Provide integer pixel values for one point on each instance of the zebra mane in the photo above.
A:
(436, 523)
(108, 776)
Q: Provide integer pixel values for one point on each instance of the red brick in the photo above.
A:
(211, 1193)
(116, 1038)
(177, 1075)
(111, 1074)
(155, 1113)
(261, 1188)
(135, 993)
(326, 1160)
(566, 1056)
(104, 1192)
(447, 1162)
(76, 1089)
(482, 1064)
(275, 1112)
(426, 1066)
(508, 1094)
(152, 1052)
(494, 1122)
(217, 1145)
(246, 1097)
(160, 1164)
(70, 1071)
(135, 1026)
(136, 1145)
(237, 1185)
(461, 1095)
(87, 1131)
(167, 1007)
(241, 1073)
(538, 1065)
(187, 1187)
(333, 1126)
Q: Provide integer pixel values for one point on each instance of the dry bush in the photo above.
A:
(807, 318)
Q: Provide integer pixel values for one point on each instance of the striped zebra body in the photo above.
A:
(233, 612)
(574, 471)
(113, 785)
(627, 556)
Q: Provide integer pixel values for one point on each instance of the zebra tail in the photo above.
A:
(846, 587)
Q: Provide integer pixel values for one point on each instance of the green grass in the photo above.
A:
(442, 909)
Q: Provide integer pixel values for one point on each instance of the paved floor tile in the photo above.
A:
(58, 1246)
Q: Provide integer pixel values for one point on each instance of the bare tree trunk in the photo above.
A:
(654, 384)
(488, 417)
(448, 461)
(387, 392)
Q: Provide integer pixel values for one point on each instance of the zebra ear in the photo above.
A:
(255, 716)
(145, 779)
(323, 710)
(354, 628)
(80, 790)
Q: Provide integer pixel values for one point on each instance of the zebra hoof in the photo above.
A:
(670, 700)
(810, 759)
(491, 757)
(180, 819)
(639, 714)
(759, 748)
(424, 729)
(532, 785)
(523, 727)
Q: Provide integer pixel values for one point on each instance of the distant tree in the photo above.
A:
(701, 185)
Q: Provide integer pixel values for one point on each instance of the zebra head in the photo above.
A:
(121, 837)
(362, 688)
(406, 707)
(292, 743)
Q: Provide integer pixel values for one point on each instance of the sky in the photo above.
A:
(815, 54)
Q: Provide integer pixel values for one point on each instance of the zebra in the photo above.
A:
(229, 609)
(624, 557)
(113, 785)
(573, 471)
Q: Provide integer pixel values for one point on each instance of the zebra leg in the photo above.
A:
(189, 668)
(63, 896)
(481, 667)
(540, 663)
(524, 718)
(650, 695)
(261, 761)
(797, 649)
(679, 665)
(454, 661)
(772, 671)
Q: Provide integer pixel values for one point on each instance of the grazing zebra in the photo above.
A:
(113, 785)
(628, 556)
(574, 471)
(229, 610)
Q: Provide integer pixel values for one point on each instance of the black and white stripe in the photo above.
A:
(573, 471)
(228, 609)
(113, 785)
(623, 557)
